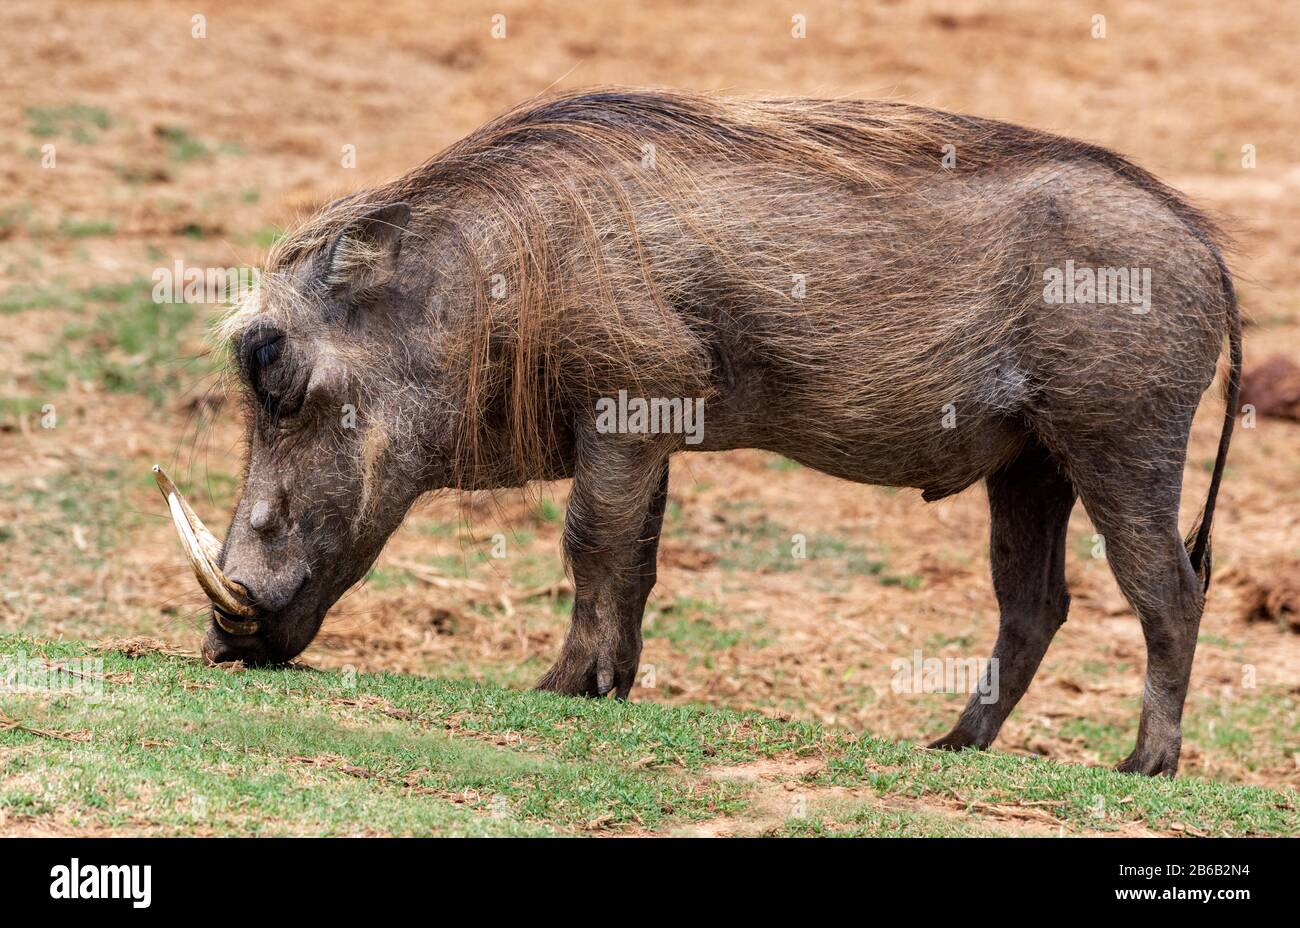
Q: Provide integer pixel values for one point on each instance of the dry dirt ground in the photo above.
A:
(169, 146)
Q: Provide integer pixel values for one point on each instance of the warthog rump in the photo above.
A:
(886, 293)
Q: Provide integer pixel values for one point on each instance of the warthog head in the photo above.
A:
(340, 438)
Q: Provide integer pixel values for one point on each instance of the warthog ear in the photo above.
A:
(364, 255)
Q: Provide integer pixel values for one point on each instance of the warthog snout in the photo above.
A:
(220, 647)
(261, 611)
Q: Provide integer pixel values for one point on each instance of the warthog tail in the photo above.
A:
(1198, 539)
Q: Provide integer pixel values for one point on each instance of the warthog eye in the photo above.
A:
(265, 355)
(258, 351)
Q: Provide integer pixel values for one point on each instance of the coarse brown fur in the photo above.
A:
(857, 285)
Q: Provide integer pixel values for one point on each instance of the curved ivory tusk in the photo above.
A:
(202, 549)
(208, 541)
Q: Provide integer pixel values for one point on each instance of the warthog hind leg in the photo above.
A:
(1130, 481)
(1139, 522)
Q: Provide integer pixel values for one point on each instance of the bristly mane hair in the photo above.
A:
(598, 213)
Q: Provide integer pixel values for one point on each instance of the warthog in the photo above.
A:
(872, 289)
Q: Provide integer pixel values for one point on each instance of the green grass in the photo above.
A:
(1110, 741)
(74, 227)
(781, 465)
(689, 624)
(79, 122)
(23, 297)
(170, 746)
(181, 146)
(264, 237)
(77, 517)
(129, 346)
(764, 545)
(1257, 733)
(866, 820)
(389, 578)
(547, 511)
(53, 509)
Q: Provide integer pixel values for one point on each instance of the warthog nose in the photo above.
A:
(268, 595)
(252, 595)
(261, 518)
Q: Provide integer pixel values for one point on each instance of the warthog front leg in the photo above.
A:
(611, 540)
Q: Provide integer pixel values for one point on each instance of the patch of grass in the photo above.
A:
(456, 565)
(1105, 669)
(76, 121)
(185, 747)
(268, 236)
(1088, 545)
(1218, 641)
(23, 297)
(389, 578)
(181, 146)
(1258, 733)
(758, 544)
(14, 218)
(547, 511)
(73, 227)
(868, 820)
(765, 545)
(217, 489)
(906, 581)
(1111, 742)
(686, 623)
(131, 346)
(172, 746)
(78, 515)
(435, 528)
(1079, 797)
(532, 569)
(135, 174)
(782, 465)
(14, 408)
(939, 642)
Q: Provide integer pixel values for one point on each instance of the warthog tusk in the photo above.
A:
(202, 549)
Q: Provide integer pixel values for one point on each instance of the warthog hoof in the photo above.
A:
(957, 740)
(592, 674)
(1151, 763)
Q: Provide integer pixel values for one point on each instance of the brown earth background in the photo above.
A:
(169, 146)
